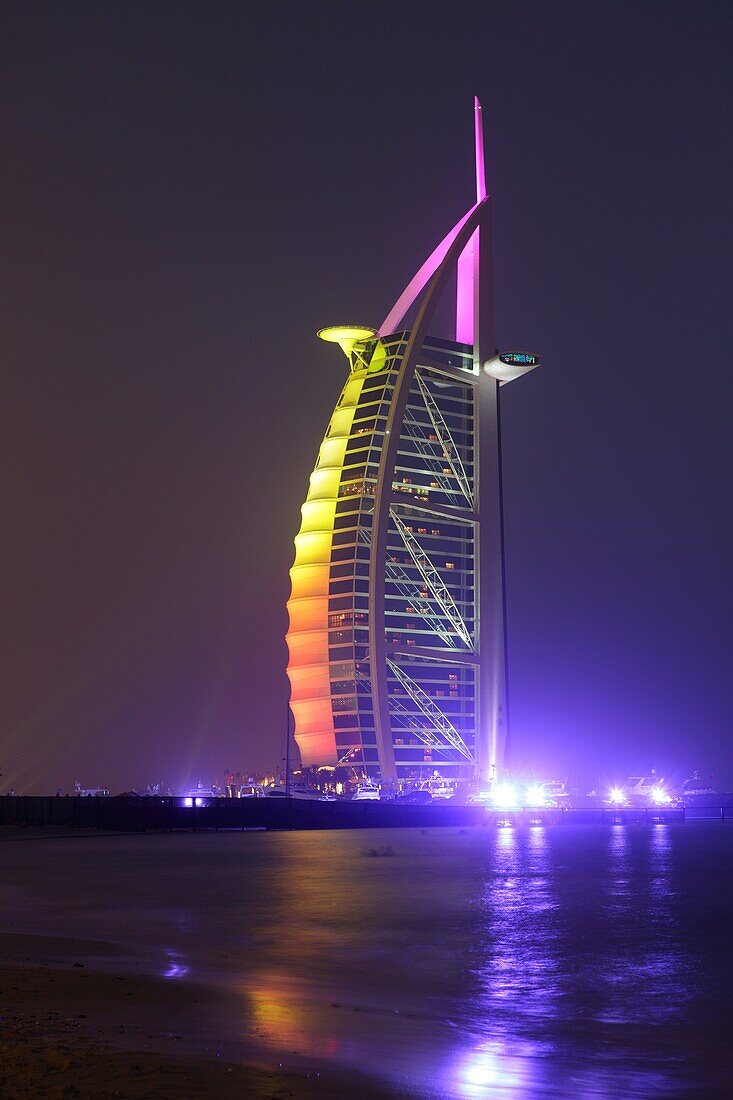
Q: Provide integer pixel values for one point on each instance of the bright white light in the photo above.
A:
(504, 797)
(199, 801)
(617, 796)
(188, 802)
(535, 795)
(481, 1072)
(491, 1071)
(660, 797)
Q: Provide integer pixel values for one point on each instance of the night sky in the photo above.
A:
(190, 190)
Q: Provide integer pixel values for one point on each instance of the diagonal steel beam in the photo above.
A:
(417, 433)
(433, 580)
(408, 588)
(440, 724)
(442, 431)
(428, 737)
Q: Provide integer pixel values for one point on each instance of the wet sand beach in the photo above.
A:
(66, 1031)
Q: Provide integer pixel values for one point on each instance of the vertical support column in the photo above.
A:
(492, 710)
(492, 702)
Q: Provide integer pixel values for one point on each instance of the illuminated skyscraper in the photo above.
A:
(397, 611)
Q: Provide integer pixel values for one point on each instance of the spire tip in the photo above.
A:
(479, 142)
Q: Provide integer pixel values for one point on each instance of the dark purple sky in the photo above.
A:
(190, 191)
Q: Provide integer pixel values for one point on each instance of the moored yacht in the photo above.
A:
(694, 787)
(368, 791)
(437, 787)
(296, 790)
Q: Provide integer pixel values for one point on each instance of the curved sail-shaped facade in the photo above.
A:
(397, 637)
(311, 696)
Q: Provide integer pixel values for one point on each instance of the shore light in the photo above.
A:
(660, 797)
(535, 795)
(504, 797)
(617, 796)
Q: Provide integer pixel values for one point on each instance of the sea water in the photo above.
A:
(590, 961)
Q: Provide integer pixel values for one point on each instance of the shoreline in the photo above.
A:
(164, 815)
(67, 1030)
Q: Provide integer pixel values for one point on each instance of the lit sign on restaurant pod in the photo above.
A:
(519, 359)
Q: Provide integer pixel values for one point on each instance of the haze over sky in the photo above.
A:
(190, 190)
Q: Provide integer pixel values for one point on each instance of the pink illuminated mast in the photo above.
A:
(468, 283)
(478, 126)
(474, 283)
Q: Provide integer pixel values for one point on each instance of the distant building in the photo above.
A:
(397, 632)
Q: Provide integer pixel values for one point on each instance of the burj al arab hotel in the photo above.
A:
(397, 654)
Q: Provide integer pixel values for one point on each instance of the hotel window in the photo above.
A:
(341, 618)
(343, 670)
(345, 702)
(339, 687)
(340, 654)
(335, 588)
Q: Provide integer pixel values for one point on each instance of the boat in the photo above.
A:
(368, 791)
(250, 790)
(295, 790)
(90, 792)
(695, 786)
(198, 796)
(437, 787)
(556, 793)
(641, 790)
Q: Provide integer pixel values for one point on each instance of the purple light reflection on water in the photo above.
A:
(518, 963)
(651, 985)
(546, 906)
(175, 968)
